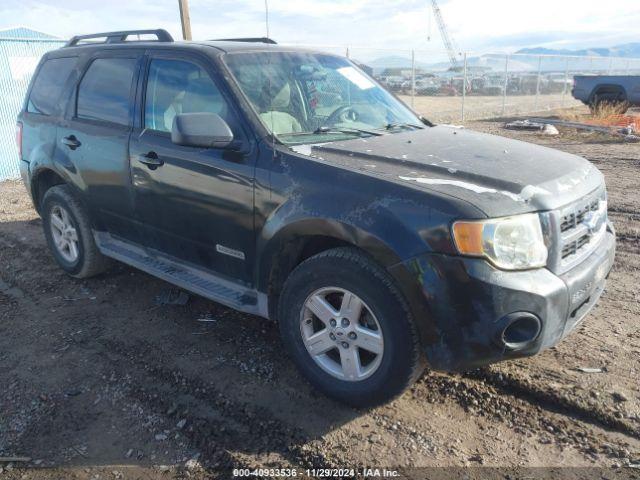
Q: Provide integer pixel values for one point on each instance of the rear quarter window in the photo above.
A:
(48, 85)
(105, 90)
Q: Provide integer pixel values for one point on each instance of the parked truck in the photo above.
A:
(623, 91)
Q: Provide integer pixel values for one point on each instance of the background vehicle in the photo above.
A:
(622, 91)
(286, 183)
(427, 86)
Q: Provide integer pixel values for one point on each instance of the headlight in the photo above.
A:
(510, 243)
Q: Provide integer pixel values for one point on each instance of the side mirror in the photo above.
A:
(206, 130)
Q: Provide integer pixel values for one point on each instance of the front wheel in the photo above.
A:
(348, 328)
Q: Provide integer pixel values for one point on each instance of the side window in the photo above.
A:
(105, 90)
(175, 87)
(48, 85)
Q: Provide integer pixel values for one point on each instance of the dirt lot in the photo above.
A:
(443, 109)
(98, 381)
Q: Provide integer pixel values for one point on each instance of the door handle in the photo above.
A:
(71, 141)
(151, 160)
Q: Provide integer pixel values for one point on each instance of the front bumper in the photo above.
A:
(468, 303)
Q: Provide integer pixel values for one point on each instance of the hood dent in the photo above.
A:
(498, 175)
(525, 195)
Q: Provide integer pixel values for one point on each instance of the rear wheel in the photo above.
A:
(609, 102)
(348, 328)
(67, 229)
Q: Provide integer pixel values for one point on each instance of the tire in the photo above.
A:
(352, 271)
(58, 203)
(616, 99)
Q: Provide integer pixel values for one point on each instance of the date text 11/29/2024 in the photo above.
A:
(316, 472)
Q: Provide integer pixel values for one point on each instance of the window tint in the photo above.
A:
(47, 86)
(104, 92)
(175, 87)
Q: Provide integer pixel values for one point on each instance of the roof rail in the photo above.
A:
(119, 37)
(248, 40)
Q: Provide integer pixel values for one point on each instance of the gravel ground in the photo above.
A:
(98, 381)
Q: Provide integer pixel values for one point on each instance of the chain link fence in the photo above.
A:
(483, 85)
(480, 86)
(18, 60)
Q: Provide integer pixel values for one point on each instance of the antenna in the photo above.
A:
(266, 15)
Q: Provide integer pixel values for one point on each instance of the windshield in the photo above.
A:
(309, 98)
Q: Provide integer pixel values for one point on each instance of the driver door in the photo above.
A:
(193, 204)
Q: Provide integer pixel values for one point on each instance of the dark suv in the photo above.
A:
(288, 184)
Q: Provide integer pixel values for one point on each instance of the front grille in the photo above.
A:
(573, 219)
(577, 236)
(572, 248)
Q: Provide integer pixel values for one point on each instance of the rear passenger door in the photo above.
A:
(195, 204)
(43, 112)
(94, 139)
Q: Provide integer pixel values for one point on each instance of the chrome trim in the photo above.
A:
(566, 226)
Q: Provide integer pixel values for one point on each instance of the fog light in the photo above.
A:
(521, 329)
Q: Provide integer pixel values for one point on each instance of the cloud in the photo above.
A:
(489, 25)
(482, 24)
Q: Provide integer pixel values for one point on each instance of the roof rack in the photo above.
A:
(120, 37)
(248, 40)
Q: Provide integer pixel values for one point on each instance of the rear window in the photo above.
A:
(48, 85)
(105, 90)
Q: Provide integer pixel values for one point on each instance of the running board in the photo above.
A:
(197, 281)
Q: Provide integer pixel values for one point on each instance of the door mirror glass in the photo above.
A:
(206, 130)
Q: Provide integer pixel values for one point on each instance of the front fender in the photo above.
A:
(280, 231)
(289, 224)
(376, 228)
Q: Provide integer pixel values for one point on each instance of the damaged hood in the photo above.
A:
(500, 176)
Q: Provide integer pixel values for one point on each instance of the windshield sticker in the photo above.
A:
(357, 78)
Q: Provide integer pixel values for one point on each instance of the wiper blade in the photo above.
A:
(321, 130)
(328, 130)
(406, 126)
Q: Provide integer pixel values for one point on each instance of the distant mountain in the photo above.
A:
(628, 50)
(486, 62)
(529, 60)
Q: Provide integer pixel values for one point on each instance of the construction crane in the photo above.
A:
(448, 43)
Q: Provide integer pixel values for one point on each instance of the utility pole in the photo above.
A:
(185, 19)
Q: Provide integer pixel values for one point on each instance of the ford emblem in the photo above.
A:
(593, 221)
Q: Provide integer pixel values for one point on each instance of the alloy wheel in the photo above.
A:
(341, 334)
(64, 234)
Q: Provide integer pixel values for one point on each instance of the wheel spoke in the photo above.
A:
(65, 217)
(319, 342)
(73, 235)
(57, 222)
(321, 308)
(351, 307)
(350, 362)
(73, 250)
(369, 340)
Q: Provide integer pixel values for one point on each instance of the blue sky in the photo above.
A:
(479, 26)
